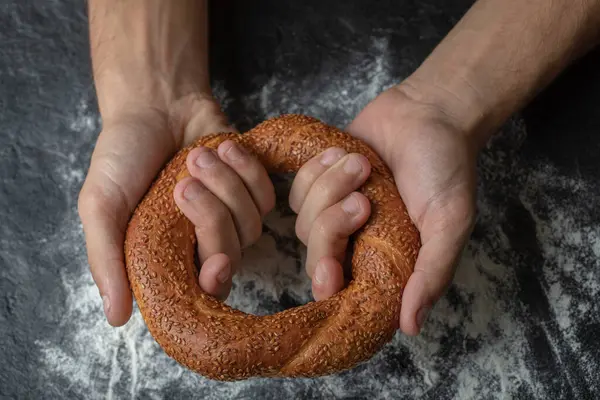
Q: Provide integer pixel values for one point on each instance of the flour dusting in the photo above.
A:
(572, 267)
(85, 120)
(332, 95)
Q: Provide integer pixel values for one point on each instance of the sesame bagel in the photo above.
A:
(318, 338)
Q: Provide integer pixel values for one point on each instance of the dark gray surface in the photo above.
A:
(521, 320)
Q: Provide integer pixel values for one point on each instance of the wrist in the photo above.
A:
(150, 52)
(454, 101)
(458, 80)
(499, 56)
(124, 87)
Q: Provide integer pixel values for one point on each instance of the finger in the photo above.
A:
(215, 231)
(215, 276)
(328, 278)
(308, 174)
(104, 229)
(443, 242)
(332, 186)
(252, 172)
(228, 187)
(433, 273)
(330, 232)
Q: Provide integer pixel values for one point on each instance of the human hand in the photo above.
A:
(226, 196)
(329, 209)
(153, 89)
(433, 162)
(132, 148)
(430, 128)
(229, 192)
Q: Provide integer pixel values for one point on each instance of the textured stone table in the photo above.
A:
(520, 321)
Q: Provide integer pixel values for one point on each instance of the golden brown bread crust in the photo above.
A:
(315, 339)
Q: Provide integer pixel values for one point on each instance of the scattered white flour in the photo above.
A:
(333, 94)
(570, 246)
(487, 354)
(104, 362)
(85, 123)
(84, 120)
(269, 272)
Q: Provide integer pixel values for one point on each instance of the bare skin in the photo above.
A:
(154, 95)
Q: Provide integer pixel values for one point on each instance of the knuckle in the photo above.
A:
(301, 231)
(321, 227)
(231, 187)
(308, 174)
(323, 189)
(90, 201)
(102, 192)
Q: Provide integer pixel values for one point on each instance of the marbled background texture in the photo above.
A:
(521, 320)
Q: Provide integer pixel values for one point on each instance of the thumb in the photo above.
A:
(433, 274)
(104, 215)
(444, 233)
(125, 160)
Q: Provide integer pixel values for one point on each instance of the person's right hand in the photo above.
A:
(134, 144)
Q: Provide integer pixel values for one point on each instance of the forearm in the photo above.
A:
(501, 54)
(151, 51)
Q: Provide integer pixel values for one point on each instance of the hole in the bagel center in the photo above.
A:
(271, 276)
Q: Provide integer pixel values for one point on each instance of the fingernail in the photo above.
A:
(321, 274)
(223, 276)
(206, 159)
(422, 316)
(352, 165)
(106, 304)
(193, 190)
(351, 205)
(234, 153)
(331, 156)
